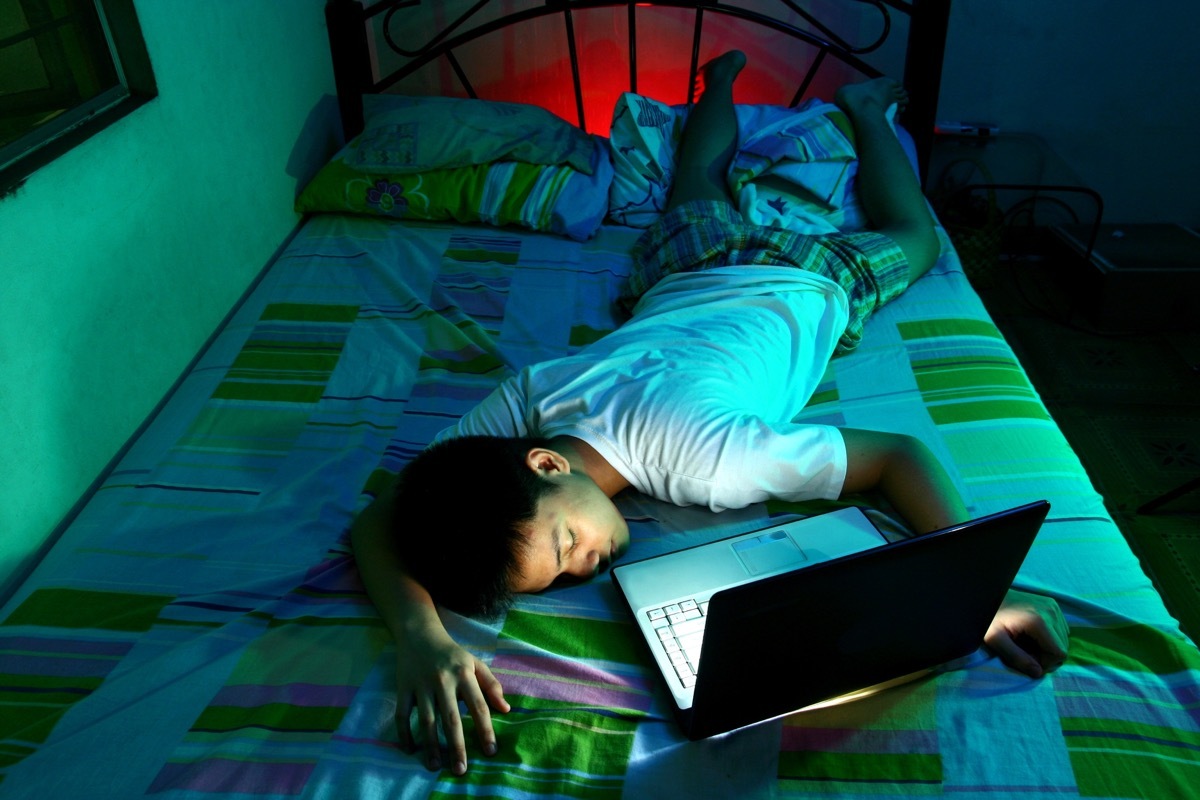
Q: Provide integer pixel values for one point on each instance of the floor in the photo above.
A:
(1129, 403)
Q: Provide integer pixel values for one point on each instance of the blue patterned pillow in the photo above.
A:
(794, 167)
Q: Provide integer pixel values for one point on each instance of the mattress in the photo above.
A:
(200, 629)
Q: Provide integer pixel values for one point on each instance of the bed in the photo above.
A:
(200, 630)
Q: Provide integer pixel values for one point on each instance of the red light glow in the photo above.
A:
(529, 63)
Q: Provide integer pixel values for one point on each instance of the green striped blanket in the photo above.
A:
(200, 630)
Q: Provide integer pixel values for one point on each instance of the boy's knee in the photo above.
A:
(920, 245)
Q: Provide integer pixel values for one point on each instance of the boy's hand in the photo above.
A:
(431, 677)
(1029, 633)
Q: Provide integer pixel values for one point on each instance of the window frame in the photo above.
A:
(135, 88)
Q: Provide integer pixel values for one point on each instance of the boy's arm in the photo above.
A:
(432, 671)
(1028, 632)
(907, 474)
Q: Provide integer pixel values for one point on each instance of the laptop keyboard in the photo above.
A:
(680, 629)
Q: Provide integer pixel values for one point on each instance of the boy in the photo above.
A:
(690, 402)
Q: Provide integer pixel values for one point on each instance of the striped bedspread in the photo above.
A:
(200, 630)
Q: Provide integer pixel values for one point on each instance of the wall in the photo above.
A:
(1110, 86)
(118, 260)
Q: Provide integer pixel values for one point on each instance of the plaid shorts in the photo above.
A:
(703, 234)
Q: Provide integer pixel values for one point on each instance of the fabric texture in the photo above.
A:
(644, 136)
(200, 630)
(703, 234)
(691, 401)
(418, 134)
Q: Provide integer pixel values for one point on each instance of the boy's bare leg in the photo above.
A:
(710, 135)
(890, 192)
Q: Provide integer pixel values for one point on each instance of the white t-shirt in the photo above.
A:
(692, 400)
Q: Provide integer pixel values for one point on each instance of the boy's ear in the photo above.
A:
(546, 462)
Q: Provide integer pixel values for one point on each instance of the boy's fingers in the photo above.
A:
(1043, 634)
(1048, 640)
(491, 687)
(404, 709)
(1012, 654)
(478, 708)
(1052, 654)
(452, 727)
(427, 721)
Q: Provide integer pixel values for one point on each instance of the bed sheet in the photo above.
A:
(200, 630)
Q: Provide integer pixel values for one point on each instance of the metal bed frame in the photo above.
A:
(349, 23)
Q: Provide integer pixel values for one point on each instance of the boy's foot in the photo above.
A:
(876, 94)
(720, 71)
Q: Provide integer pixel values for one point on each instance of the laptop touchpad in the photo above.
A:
(774, 551)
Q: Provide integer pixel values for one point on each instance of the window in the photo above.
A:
(68, 68)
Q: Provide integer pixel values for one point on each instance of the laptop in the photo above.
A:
(797, 615)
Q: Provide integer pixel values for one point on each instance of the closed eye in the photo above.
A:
(560, 557)
(574, 542)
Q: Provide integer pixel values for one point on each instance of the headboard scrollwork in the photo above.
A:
(354, 29)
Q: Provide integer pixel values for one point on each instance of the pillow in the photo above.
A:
(644, 137)
(795, 173)
(794, 168)
(551, 197)
(554, 199)
(417, 134)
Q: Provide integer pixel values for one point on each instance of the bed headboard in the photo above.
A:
(379, 46)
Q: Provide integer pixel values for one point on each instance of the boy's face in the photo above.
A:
(577, 532)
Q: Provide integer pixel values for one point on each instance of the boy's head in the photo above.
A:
(479, 518)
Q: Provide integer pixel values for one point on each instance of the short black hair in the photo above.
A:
(461, 511)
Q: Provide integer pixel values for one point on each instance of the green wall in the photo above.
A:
(119, 259)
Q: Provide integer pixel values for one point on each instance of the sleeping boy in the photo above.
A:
(690, 402)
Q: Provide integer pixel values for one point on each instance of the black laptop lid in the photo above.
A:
(783, 643)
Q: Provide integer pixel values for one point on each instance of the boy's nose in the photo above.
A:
(590, 563)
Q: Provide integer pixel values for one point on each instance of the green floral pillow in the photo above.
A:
(553, 198)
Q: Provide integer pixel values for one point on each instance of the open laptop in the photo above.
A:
(763, 624)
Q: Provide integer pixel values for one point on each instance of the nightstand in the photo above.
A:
(1143, 277)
